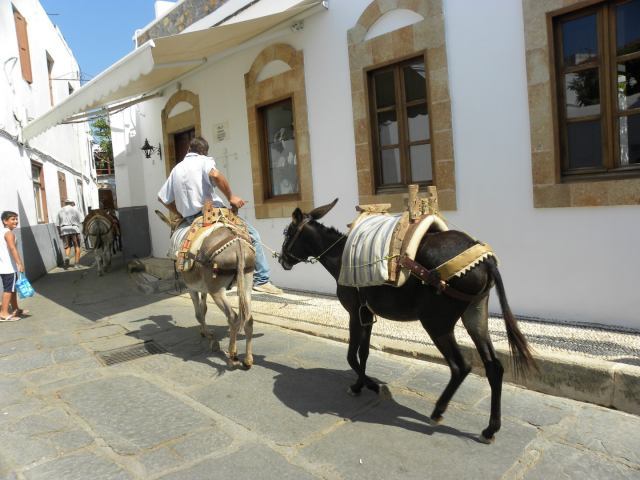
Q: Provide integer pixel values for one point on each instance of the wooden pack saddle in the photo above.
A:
(212, 219)
(409, 227)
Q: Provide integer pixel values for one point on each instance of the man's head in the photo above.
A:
(8, 216)
(199, 145)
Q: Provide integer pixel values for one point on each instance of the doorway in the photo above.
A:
(181, 142)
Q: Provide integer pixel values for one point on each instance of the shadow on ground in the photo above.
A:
(82, 291)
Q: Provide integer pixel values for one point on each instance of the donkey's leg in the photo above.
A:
(446, 343)
(200, 314)
(360, 325)
(475, 320)
(233, 319)
(248, 322)
(99, 261)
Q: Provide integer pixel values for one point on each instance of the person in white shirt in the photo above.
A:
(10, 265)
(194, 180)
(69, 222)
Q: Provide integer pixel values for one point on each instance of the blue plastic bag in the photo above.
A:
(25, 289)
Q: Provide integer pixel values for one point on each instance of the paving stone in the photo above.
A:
(69, 354)
(431, 380)
(159, 460)
(11, 391)
(72, 440)
(202, 444)
(38, 425)
(25, 362)
(20, 450)
(299, 401)
(58, 340)
(535, 408)
(615, 434)
(563, 461)
(132, 414)
(16, 346)
(26, 406)
(80, 466)
(185, 373)
(100, 331)
(395, 437)
(249, 462)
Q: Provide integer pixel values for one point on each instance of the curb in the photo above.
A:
(608, 384)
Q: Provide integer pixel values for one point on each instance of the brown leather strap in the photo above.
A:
(432, 278)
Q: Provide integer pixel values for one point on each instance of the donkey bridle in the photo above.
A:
(295, 237)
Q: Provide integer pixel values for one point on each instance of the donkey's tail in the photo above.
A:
(244, 308)
(522, 360)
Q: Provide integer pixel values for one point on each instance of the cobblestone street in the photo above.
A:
(183, 414)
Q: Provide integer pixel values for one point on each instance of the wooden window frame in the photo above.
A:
(22, 37)
(400, 107)
(42, 192)
(264, 150)
(606, 63)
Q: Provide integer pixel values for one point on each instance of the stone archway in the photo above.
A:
(181, 113)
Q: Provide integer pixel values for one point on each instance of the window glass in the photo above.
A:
(579, 40)
(629, 84)
(421, 163)
(582, 93)
(415, 85)
(391, 166)
(281, 148)
(418, 120)
(388, 128)
(628, 27)
(385, 89)
(629, 131)
(584, 144)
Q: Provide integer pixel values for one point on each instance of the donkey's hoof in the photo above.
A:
(214, 345)
(435, 419)
(485, 440)
(353, 392)
(247, 365)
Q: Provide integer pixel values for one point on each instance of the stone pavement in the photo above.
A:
(183, 414)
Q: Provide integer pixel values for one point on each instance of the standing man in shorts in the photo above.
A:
(69, 223)
(10, 265)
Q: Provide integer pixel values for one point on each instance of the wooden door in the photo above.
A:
(181, 141)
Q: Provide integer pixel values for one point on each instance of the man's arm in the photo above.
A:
(10, 238)
(222, 183)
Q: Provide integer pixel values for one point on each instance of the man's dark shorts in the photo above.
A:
(69, 240)
(9, 282)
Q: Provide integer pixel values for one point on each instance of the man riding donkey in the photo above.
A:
(191, 183)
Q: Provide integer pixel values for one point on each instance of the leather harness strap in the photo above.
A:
(432, 277)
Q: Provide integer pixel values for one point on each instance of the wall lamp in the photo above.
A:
(148, 149)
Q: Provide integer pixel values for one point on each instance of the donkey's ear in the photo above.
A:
(163, 217)
(297, 215)
(320, 212)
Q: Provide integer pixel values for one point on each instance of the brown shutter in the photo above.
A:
(62, 186)
(23, 46)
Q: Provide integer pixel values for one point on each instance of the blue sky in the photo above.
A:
(99, 31)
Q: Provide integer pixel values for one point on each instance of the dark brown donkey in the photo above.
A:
(438, 312)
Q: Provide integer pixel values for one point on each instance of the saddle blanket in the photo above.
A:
(179, 236)
(364, 260)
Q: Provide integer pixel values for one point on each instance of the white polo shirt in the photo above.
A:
(189, 186)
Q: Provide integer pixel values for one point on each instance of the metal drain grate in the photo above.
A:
(130, 352)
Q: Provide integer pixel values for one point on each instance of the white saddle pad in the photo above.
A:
(364, 261)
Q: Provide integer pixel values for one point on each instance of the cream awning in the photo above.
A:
(157, 63)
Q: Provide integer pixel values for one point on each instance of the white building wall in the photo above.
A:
(64, 148)
(569, 264)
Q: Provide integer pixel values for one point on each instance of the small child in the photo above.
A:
(10, 265)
